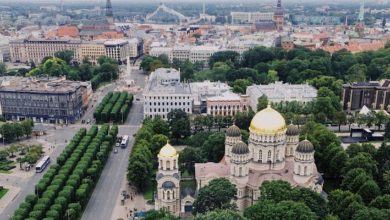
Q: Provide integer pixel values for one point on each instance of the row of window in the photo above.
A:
(166, 97)
(225, 107)
(167, 110)
(167, 103)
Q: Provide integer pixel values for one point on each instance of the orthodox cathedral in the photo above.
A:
(273, 152)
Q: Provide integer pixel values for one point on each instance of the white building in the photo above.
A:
(133, 47)
(200, 91)
(164, 92)
(191, 53)
(279, 92)
(117, 49)
(250, 17)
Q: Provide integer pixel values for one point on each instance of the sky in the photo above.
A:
(181, 1)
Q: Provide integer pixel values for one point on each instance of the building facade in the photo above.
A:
(117, 49)
(227, 104)
(92, 50)
(374, 95)
(281, 92)
(273, 153)
(191, 53)
(32, 50)
(164, 92)
(43, 100)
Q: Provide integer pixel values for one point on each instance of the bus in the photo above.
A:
(42, 164)
(125, 141)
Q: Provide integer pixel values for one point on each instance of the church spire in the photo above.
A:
(279, 5)
(109, 12)
(361, 11)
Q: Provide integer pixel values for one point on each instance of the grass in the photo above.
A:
(3, 191)
(188, 183)
(149, 191)
(5, 171)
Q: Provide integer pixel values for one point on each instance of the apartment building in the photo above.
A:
(32, 50)
(164, 92)
(43, 99)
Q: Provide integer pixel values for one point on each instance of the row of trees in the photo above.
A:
(65, 188)
(16, 130)
(62, 65)
(114, 107)
(151, 137)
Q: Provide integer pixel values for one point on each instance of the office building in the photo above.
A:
(281, 92)
(164, 92)
(43, 99)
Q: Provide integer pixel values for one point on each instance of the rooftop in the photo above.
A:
(41, 85)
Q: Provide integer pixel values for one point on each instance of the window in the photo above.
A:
(168, 195)
(277, 155)
(174, 164)
(240, 171)
(269, 155)
(168, 167)
(305, 171)
(260, 155)
(299, 169)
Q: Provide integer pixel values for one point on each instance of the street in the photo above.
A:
(116, 166)
(103, 199)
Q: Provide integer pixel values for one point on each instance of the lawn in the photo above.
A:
(3, 191)
(149, 191)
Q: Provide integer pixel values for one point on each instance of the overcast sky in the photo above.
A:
(181, 1)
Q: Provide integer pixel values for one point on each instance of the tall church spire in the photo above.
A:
(361, 11)
(109, 12)
(279, 5)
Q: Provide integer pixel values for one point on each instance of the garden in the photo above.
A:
(64, 190)
(114, 107)
(19, 153)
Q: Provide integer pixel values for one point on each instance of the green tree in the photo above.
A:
(381, 202)
(220, 215)
(65, 55)
(380, 119)
(188, 157)
(340, 118)
(218, 194)
(356, 73)
(179, 124)
(139, 170)
(161, 214)
(214, 147)
(268, 209)
(225, 56)
(364, 161)
(262, 102)
(369, 191)
(240, 85)
(3, 69)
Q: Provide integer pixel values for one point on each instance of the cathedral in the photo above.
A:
(273, 152)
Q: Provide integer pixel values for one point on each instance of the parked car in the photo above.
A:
(115, 151)
(118, 142)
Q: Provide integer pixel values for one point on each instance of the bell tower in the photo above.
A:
(109, 13)
(359, 28)
(279, 16)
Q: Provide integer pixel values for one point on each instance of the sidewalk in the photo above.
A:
(138, 202)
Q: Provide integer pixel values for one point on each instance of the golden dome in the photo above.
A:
(268, 121)
(167, 151)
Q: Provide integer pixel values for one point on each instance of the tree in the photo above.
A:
(380, 119)
(369, 191)
(225, 56)
(187, 159)
(65, 55)
(220, 215)
(179, 124)
(381, 202)
(262, 102)
(214, 147)
(160, 126)
(3, 69)
(275, 190)
(387, 130)
(160, 214)
(356, 73)
(340, 118)
(371, 213)
(340, 200)
(364, 161)
(138, 170)
(218, 194)
(157, 142)
(268, 209)
(240, 85)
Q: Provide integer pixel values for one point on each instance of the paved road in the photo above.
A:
(103, 199)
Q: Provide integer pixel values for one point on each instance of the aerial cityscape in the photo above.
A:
(203, 110)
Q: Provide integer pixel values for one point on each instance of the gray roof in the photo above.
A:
(305, 146)
(292, 130)
(187, 192)
(233, 131)
(240, 148)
